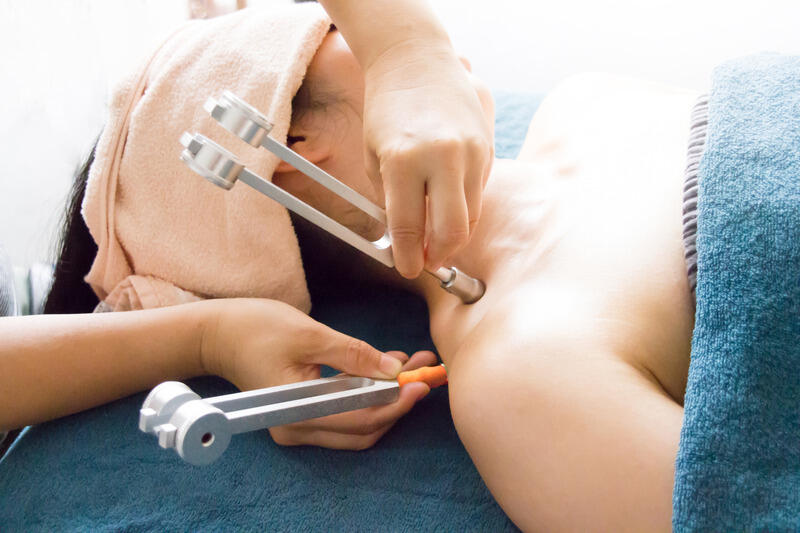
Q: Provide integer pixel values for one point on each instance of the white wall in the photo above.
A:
(58, 57)
(530, 45)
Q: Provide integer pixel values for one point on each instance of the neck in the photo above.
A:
(514, 233)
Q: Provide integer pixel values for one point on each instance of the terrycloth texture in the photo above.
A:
(96, 471)
(161, 229)
(738, 467)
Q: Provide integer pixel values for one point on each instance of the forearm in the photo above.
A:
(54, 365)
(372, 27)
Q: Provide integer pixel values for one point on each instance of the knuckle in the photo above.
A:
(396, 156)
(310, 337)
(480, 145)
(448, 146)
(406, 233)
(359, 354)
(450, 236)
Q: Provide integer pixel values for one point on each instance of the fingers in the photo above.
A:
(326, 439)
(428, 137)
(353, 430)
(405, 214)
(449, 216)
(400, 356)
(420, 359)
(451, 177)
(350, 355)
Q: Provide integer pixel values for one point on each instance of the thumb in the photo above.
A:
(356, 357)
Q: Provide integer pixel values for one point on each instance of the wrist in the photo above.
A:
(373, 27)
(409, 49)
(428, 54)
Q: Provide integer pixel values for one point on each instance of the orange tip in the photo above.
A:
(434, 376)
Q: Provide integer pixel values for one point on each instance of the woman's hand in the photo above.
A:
(262, 343)
(428, 132)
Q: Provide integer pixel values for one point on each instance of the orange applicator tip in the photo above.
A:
(432, 375)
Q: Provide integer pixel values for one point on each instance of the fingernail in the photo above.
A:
(389, 365)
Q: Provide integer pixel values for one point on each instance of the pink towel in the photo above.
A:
(164, 234)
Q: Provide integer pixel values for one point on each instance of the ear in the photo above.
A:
(310, 145)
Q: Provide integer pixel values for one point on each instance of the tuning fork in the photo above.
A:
(200, 430)
(224, 169)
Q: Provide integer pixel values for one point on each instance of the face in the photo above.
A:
(327, 129)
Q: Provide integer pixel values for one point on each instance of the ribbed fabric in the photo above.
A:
(697, 142)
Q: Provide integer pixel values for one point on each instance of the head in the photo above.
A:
(327, 129)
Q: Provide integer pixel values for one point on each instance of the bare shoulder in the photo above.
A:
(553, 418)
(591, 104)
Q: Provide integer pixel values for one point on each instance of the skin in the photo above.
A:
(567, 378)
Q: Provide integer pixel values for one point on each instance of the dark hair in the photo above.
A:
(69, 293)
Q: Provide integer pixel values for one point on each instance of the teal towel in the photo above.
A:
(738, 467)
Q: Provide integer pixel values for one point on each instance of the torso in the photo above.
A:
(579, 240)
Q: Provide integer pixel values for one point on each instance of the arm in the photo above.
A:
(55, 365)
(427, 132)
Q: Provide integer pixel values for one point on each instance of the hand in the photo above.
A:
(428, 131)
(262, 343)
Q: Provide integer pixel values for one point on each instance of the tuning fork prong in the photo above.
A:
(222, 168)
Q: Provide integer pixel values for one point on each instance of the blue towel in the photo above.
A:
(97, 471)
(738, 467)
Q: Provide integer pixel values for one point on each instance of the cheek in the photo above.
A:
(294, 183)
(348, 164)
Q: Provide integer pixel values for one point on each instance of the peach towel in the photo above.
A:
(165, 235)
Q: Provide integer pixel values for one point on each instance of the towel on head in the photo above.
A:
(164, 234)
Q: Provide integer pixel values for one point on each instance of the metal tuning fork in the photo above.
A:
(199, 430)
(222, 168)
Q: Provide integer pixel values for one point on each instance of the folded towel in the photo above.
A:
(161, 228)
(738, 466)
